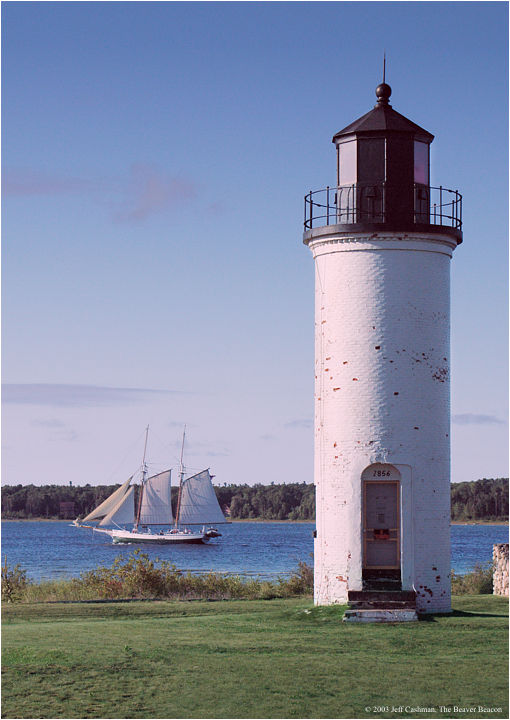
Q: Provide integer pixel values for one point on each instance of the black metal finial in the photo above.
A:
(383, 91)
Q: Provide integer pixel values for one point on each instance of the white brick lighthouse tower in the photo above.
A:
(382, 240)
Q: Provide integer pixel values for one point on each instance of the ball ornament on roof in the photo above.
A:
(383, 92)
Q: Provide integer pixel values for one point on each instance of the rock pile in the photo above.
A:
(500, 573)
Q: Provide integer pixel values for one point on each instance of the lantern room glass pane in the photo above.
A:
(421, 163)
(347, 163)
(372, 160)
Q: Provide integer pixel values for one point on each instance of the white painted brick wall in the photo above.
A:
(382, 395)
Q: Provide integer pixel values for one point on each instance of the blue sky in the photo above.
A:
(155, 158)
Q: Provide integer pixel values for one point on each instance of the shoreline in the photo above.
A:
(487, 523)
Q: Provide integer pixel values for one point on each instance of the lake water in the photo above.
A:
(51, 550)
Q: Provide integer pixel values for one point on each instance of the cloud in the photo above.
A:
(143, 191)
(57, 430)
(63, 436)
(148, 190)
(75, 395)
(473, 419)
(27, 181)
(50, 423)
(301, 423)
(215, 209)
(196, 447)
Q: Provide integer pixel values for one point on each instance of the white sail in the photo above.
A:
(123, 512)
(107, 505)
(199, 505)
(156, 500)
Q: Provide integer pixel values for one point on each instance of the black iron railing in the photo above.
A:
(364, 203)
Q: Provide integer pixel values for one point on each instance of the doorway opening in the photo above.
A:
(381, 527)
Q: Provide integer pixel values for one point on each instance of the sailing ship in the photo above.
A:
(197, 505)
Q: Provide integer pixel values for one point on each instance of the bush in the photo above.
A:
(14, 582)
(138, 577)
(477, 582)
(300, 582)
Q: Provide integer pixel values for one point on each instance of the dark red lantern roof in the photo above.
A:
(384, 119)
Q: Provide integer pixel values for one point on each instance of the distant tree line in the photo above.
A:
(485, 499)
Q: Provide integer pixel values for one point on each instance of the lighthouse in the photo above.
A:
(382, 239)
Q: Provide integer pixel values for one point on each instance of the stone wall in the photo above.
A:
(500, 574)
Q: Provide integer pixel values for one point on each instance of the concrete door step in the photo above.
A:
(382, 604)
(381, 595)
(380, 615)
(382, 585)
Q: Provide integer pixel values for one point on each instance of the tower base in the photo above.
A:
(380, 616)
(381, 606)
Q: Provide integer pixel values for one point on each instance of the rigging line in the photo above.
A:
(126, 454)
(166, 445)
(181, 477)
(144, 472)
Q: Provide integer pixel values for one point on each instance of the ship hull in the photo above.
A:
(179, 537)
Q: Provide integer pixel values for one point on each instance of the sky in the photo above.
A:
(155, 156)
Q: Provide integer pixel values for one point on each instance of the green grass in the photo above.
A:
(279, 658)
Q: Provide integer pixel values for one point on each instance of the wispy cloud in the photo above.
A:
(474, 419)
(217, 453)
(197, 447)
(145, 190)
(149, 190)
(75, 395)
(215, 209)
(56, 430)
(63, 436)
(28, 181)
(49, 423)
(300, 423)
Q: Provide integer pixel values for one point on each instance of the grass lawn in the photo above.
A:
(249, 659)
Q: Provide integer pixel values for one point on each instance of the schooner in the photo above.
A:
(197, 507)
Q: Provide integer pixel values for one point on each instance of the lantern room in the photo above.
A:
(383, 179)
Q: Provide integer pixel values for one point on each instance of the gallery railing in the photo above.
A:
(364, 203)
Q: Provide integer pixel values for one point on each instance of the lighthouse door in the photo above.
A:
(381, 522)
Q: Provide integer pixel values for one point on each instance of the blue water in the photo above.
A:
(50, 550)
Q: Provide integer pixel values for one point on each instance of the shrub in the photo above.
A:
(14, 582)
(301, 580)
(137, 576)
(477, 582)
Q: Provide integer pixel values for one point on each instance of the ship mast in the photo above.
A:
(144, 479)
(181, 479)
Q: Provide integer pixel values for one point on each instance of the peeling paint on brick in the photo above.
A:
(360, 295)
